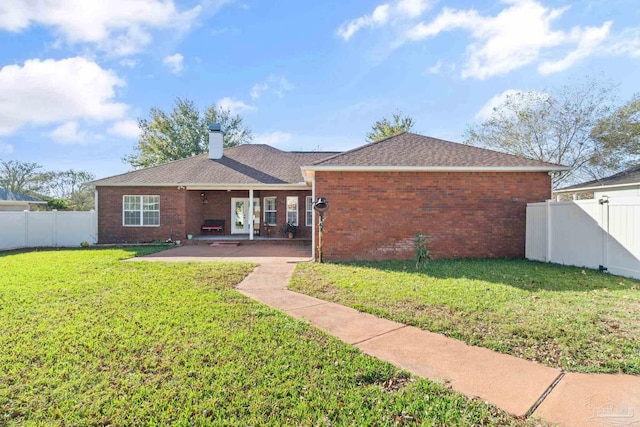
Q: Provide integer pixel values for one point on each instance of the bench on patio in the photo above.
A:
(213, 225)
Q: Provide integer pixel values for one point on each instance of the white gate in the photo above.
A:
(622, 248)
(601, 233)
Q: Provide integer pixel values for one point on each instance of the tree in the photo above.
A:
(83, 199)
(64, 184)
(183, 133)
(68, 190)
(619, 135)
(385, 127)
(552, 127)
(21, 177)
(61, 189)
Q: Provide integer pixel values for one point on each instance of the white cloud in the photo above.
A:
(486, 110)
(378, 17)
(626, 43)
(278, 85)
(589, 40)
(384, 14)
(435, 68)
(282, 85)
(174, 63)
(128, 63)
(235, 106)
(258, 89)
(6, 148)
(272, 138)
(125, 128)
(513, 38)
(412, 8)
(69, 133)
(515, 97)
(50, 91)
(119, 27)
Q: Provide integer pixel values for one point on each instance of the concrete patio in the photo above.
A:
(262, 253)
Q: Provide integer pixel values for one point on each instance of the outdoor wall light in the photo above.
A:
(321, 204)
(204, 201)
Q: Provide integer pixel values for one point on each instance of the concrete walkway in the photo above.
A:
(518, 386)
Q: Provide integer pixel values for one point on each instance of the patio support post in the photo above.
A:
(251, 217)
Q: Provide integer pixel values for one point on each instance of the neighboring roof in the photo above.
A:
(12, 197)
(409, 150)
(245, 164)
(627, 177)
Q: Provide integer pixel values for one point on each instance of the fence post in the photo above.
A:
(26, 228)
(54, 228)
(549, 233)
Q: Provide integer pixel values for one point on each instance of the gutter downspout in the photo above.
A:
(313, 220)
(95, 215)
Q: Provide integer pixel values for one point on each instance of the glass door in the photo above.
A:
(240, 216)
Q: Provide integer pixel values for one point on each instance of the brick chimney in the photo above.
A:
(215, 141)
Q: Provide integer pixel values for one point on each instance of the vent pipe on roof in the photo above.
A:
(215, 141)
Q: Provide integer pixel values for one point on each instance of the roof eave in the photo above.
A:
(550, 168)
(596, 187)
(22, 202)
(209, 186)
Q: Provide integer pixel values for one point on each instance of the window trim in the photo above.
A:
(296, 211)
(140, 196)
(274, 210)
(308, 209)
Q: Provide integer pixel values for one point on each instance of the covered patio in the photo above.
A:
(247, 213)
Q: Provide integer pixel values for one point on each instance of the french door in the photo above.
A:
(240, 216)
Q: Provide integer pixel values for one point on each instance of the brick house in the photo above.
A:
(470, 201)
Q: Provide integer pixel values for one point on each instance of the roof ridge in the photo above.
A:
(360, 147)
(486, 149)
(152, 167)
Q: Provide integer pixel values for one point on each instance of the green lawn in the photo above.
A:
(86, 339)
(572, 318)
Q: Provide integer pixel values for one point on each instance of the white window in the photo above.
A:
(141, 210)
(270, 211)
(292, 210)
(309, 222)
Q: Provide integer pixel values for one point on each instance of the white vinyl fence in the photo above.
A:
(596, 234)
(47, 229)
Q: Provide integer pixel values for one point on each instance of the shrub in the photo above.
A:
(422, 253)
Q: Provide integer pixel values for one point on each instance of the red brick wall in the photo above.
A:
(172, 215)
(183, 212)
(376, 215)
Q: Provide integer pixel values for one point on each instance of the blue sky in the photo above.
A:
(76, 74)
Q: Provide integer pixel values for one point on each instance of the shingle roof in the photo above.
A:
(263, 164)
(10, 196)
(628, 176)
(410, 149)
(244, 164)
